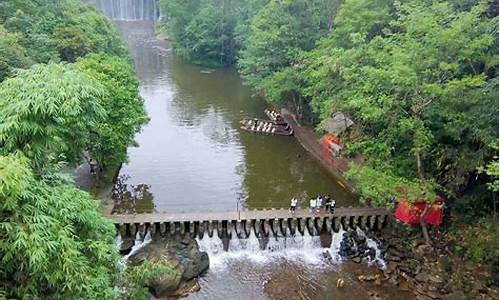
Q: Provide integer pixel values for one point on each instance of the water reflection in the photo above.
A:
(131, 199)
(192, 155)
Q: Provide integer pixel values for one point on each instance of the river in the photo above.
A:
(192, 156)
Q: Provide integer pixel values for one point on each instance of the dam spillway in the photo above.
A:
(261, 223)
(129, 10)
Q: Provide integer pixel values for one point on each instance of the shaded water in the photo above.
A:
(192, 155)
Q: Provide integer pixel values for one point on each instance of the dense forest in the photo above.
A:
(67, 92)
(418, 78)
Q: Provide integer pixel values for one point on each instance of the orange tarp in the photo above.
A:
(410, 212)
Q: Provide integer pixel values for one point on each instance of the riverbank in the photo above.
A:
(336, 166)
(430, 272)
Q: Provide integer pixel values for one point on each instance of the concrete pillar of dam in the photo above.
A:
(319, 224)
(310, 226)
(276, 227)
(371, 222)
(122, 230)
(344, 222)
(381, 220)
(292, 224)
(249, 225)
(266, 228)
(328, 224)
(163, 229)
(210, 228)
(229, 230)
(302, 226)
(284, 228)
(132, 229)
(336, 224)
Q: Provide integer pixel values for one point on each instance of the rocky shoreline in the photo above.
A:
(429, 272)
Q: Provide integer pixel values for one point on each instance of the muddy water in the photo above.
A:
(192, 155)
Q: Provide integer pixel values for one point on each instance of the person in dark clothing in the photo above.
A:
(328, 203)
(332, 206)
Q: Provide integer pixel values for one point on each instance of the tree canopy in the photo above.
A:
(54, 241)
(49, 112)
(125, 113)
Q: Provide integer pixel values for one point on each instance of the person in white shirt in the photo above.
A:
(312, 205)
(293, 205)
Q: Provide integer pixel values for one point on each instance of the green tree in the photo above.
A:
(125, 113)
(51, 31)
(48, 113)
(54, 242)
(12, 54)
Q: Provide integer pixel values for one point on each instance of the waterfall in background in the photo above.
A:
(128, 10)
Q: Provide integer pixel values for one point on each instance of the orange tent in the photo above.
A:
(410, 212)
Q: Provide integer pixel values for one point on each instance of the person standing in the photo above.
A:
(319, 203)
(312, 205)
(332, 206)
(293, 205)
(328, 203)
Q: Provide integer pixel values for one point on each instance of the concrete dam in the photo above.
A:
(242, 224)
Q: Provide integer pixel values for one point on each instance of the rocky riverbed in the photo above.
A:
(429, 272)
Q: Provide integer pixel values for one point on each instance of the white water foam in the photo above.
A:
(304, 249)
(379, 259)
(139, 243)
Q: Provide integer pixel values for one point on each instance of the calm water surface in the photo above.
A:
(192, 155)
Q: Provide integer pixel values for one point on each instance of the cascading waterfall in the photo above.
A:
(298, 247)
(129, 10)
(139, 243)
(379, 260)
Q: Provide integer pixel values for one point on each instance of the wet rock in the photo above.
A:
(164, 286)
(393, 280)
(457, 295)
(422, 277)
(182, 253)
(367, 277)
(391, 257)
(404, 286)
(436, 279)
(433, 295)
(356, 259)
(423, 297)
(125, 246)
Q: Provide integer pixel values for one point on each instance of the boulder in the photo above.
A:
(182, 253)
(164, 286)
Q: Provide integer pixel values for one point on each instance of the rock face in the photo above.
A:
(354, 246)
(182, 252)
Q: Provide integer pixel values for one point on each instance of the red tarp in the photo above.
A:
(410, 212)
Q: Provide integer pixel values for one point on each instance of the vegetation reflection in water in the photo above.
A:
(192, 155)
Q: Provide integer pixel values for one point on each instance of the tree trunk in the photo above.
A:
(424, 214)
(427, 208)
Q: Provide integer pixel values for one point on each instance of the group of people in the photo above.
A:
(316, 204)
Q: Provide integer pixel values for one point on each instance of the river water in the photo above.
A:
(193, 157)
